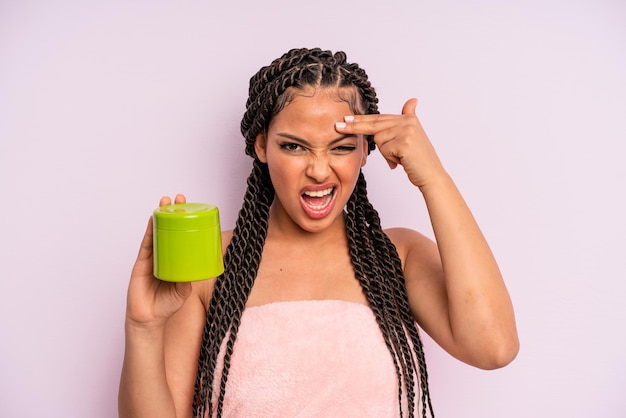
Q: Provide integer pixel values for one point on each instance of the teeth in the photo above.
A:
(319, 193)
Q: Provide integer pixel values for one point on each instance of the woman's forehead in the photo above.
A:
(318, 106)
(348, 95)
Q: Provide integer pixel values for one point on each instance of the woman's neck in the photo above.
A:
(282, 227)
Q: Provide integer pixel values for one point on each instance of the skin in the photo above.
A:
(456, 291)
(304, 151)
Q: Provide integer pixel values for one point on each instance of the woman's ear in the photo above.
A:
(259, 147)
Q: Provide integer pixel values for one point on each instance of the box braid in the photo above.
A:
(379, 270)
(376, 262)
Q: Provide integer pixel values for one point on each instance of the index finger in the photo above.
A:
(366, 124)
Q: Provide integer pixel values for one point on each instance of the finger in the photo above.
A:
(145, 249)
(165, 200)
(180, 198)
(371, 117)
(373, 124)
(366, 126)
(386, 150)
(391, 163)
(409, 107)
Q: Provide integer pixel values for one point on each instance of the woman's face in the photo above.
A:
(313, 168)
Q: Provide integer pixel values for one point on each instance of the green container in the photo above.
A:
(187, 242)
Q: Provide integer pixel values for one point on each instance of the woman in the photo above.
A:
(317, 312)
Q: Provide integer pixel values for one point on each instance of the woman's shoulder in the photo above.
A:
(413, 247)
(405, 238)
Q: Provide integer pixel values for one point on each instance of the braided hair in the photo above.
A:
(376, 262)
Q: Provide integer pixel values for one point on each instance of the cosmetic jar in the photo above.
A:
(187, 242)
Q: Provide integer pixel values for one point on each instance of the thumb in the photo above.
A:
(409, 106)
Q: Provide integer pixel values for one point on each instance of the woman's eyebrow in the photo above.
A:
(308, 144)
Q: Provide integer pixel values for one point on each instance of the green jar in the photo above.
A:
(187, 242)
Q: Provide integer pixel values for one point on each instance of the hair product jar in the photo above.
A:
(187, 242)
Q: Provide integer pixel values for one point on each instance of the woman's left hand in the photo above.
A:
(401, 140)
(456, 291)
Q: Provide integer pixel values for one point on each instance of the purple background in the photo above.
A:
(105, 106)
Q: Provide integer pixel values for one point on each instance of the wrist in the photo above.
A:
(151, 329)
(438, 181)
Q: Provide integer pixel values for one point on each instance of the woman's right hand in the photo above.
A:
(150, 301)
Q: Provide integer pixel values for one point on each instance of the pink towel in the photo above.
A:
(310, 359)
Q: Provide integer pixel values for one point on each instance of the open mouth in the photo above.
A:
(319, 199)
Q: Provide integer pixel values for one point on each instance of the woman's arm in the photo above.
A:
(456, 291)
(163, 329)
(455, 288)
(160, 364)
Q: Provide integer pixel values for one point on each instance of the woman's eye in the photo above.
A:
(290, 146)
(344, 149)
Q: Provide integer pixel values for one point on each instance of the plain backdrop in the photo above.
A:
(105, 106)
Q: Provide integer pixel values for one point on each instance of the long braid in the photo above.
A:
(360, 248)
(372, 243)
(241, 263)
(388, 256)
(376, 262)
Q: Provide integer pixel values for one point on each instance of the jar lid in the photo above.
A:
(181, 216)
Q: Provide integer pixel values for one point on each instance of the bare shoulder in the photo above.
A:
(419, 254)
(405, 234)
(423, 274)
(409, 241)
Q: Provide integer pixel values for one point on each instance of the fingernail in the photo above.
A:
(340, 125)
(349, 118)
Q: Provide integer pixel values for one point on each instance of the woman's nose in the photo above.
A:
(319, 167)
